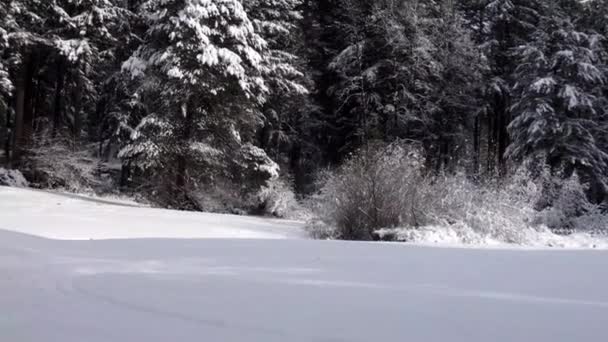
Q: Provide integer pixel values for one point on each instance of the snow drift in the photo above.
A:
(64, 216)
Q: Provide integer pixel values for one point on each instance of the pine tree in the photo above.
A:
(409, 73)
(456, 85)
(5, 82)
(498, 26)
(6, 87)
(383, 72)
(201, 68)
(557, 113)
(278, 23)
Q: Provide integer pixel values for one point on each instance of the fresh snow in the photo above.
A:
(70, 217)
(262, 290)
(12, 178)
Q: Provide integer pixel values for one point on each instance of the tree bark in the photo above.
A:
(77, 129)
(503, 141)
(57, 102)
(182, 165)
(125, 174)
(7, 130)
(30, 102)
(476, 146)
(20, 100)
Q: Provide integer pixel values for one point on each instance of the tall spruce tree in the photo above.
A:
(498, 26)
(558, 111)
(200, 69)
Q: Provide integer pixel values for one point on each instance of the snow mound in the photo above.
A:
(75, 217)
(463, 235)
(12, 178)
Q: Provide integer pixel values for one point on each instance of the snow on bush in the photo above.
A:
(376, 188)
(501, 212)
(381, 194)
(54, 163)
(565, 207)
(277, 198)
(12, 178)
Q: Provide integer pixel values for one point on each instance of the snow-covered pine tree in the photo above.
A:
(58, 51)
(94, 36)
(557, 112)
(200, 70)
(6, 86)
(286, 131)
(277, 22)
(5, 82)
(498, 26)
(409, 73)
(383, 73)
(456, 83)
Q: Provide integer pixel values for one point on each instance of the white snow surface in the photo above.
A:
(74, 217)
(262, 290)
(12, 178)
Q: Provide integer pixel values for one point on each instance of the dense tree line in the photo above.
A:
(187, 94)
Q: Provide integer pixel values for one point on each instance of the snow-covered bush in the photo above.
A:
(55, 163)
(221, 196)
(565, 207)
(319, 229)
(376, 188)
(475, 213)
(12, 178)
(381, 193)
(277, 198)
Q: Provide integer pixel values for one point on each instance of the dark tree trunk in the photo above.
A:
(7, 137)
(20, 108)
(37, 99)
(490, 143)
(77, 129)
(503, 141)
(57, 102)
(182, 162)
(100, 110)
(125, 174)
(28, 114)
(496, 135)
(476, 145)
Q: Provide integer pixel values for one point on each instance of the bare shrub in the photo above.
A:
(376, 188)
(278, 199)
(58, 163)
(382, 193)
(488, 211)
(566, 208)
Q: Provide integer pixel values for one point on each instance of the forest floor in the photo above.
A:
(74, 269)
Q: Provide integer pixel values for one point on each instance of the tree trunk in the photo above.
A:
(7, 137)
(125, 174)
(77, 129)
(476, 146)
(20, 104)
(57, 102)
(30, 102)
(503, 141)
(180, 181)
(182, 165)
(490, 144)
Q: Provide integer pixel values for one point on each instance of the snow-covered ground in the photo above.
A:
(74, 217)
(262, 290)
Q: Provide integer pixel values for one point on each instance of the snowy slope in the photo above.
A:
(64, 216)
(290, 290)
(295, 290)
